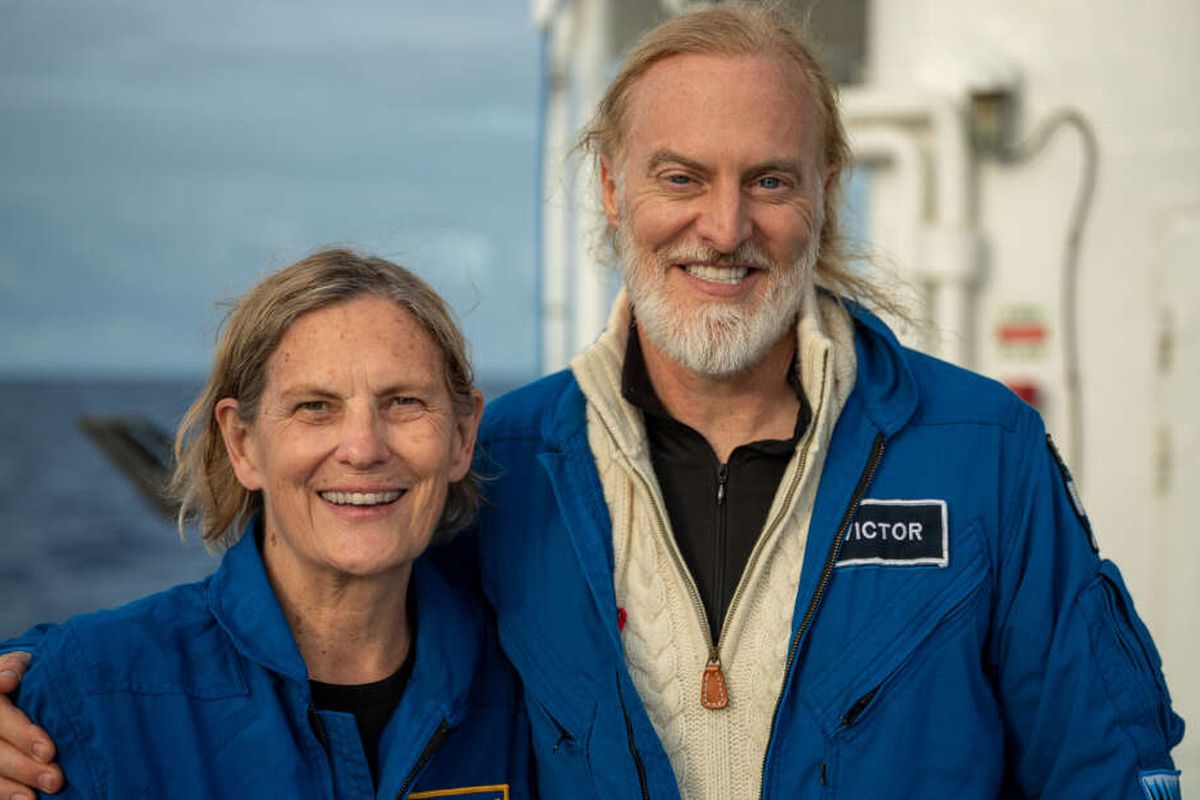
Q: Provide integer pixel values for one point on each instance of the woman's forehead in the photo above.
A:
(366, 337)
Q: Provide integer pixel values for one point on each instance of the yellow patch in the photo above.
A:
(497, 792)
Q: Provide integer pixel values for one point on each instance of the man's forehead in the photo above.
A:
(683, 70)
(716, 99)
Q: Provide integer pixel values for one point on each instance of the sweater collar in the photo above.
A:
(823, 329)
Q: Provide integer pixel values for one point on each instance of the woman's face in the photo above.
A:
(355, 441)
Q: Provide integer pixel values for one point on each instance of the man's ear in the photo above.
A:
(466, 428)
(608, 188)
(239, 444)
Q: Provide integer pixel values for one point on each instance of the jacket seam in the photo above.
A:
(1019, 517)
(71, 696)
(963, 422)
(1115, 707)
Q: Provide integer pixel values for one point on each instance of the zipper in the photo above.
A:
(432, 746)
(721, 545)
(712, 670)
(864, 482)
(633, 751)
(788, 498)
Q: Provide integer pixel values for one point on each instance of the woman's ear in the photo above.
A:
(239, 444)
(466, 429)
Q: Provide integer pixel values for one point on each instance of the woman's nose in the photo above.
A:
(363, 443)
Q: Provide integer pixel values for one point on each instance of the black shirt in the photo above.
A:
(371, 704)
(717, 510)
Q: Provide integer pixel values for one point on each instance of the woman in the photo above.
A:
(330, 447)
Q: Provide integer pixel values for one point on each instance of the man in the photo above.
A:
(751, 546)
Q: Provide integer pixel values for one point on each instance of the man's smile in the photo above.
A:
(714, 274)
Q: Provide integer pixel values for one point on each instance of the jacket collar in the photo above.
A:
(885, 389)
(448, 627)
(246, 607)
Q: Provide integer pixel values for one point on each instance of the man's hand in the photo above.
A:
(26, 752)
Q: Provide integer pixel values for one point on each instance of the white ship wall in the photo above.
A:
(1134, 73)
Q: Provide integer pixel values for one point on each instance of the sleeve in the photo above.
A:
(51, 694)
(1086, 708)
(27, 641)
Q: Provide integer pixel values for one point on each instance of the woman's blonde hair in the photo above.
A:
(204, 482)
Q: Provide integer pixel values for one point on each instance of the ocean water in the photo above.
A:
(75, 535)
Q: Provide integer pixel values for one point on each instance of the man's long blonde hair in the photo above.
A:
(742, 29)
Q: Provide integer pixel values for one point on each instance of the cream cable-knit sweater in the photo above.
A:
(716, 755)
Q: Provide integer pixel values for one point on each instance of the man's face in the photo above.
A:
(716, 201)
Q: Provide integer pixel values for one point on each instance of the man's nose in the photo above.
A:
(724, 221)
(363, 441)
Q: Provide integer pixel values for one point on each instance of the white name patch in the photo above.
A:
(897, 532)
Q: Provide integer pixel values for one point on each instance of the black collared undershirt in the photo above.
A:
(717, 511)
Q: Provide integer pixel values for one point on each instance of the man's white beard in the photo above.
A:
(713, 338)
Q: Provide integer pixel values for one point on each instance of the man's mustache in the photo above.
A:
(747, 254)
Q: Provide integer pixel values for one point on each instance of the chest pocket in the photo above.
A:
(889, 620)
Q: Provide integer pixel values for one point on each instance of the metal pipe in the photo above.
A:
(950, 243)
(593, 54)
(555, 213)
(899, 151)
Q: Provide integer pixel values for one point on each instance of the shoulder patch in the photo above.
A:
(1073, 493)
(897, 533)
(1161, 784)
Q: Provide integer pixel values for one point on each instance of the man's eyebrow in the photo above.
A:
(662, 157)
(788, 166)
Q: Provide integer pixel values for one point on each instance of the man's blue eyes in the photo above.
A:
(769, 182)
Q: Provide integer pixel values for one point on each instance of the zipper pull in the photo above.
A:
(713, 693)
(860, 705)
(722, 476)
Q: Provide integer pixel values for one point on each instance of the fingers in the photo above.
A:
(14, 791)
(19, 774)
(25, 749)
(12, 667)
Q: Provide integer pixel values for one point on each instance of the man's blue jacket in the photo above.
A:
(1000, 657)
(200, 692)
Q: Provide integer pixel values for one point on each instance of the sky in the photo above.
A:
(158, 157)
